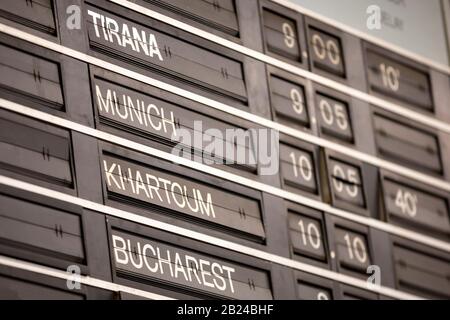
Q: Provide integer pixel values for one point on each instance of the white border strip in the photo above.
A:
(367, 37)
(386, 105)
(373, 160)
(86, 280)
(401, 232)
(196, 236)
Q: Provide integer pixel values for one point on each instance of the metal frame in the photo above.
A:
(382, 103)
(316, 204)
(88, 132)
(345, 279)
(192, 245)
(362, 35)
(413, 174)
(84, 280)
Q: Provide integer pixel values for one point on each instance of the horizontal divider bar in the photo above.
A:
(86, 280)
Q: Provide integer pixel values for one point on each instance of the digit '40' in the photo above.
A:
(407, 202)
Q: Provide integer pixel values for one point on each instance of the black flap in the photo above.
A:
(157, 188)
(307, 236)
(160, 52)
(18, 289)
(42, 229)
(326, 50)
(281, 35)
(298, 169)
(405, 144)
(333, 117)
(30, 75)
(346, 182)
(352, 250)
(421, 273)
(217, 14)
(412, 205)
(36, 14)
(307, 291)
(155, 261)
(35, 150)
(172, 125)
(399, 81)
(289, 101)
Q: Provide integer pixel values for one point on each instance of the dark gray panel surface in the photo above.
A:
(149, 48)
(414, 205)
(421, 273)
(41, 228)
(352, 250)
(281, 35)
(180, 194)
(149, 116)
(405, 144)
(36, 14)
(307, 236)
(298, 168)
(31, 75)
(217, 14)
(157, 261)
(17, 289)
(30, 148)
(346, 182)
(308, 291)
(399, 81)
(326, 51)
(333, 117)
(289, 101)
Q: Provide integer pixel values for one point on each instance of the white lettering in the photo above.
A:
(120, 250)
(110, 175)
(146, 257)
(120, 34)
(181, 267)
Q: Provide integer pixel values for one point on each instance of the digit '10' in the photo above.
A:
(310, 235)
(302, 166)
(390, 77)
(356, 248)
